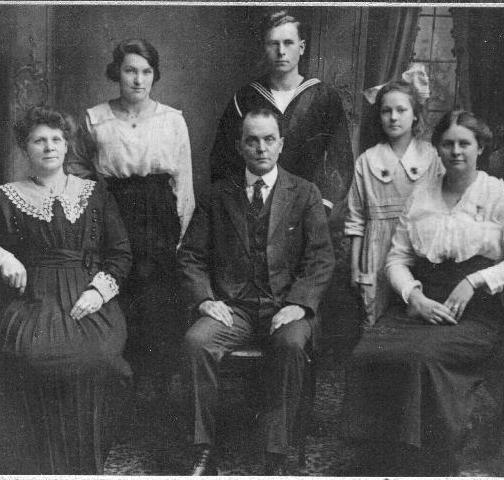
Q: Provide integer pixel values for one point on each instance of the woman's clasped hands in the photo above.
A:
(436, 313)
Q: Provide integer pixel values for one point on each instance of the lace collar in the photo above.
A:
(415, 161)
(38, 203)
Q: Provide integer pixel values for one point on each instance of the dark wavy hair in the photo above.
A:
(276, 19)
(415, 100)
(43, 115)
(138, 46)
(465, 119)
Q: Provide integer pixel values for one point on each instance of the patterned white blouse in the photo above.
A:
(429, 229)
(158, 143)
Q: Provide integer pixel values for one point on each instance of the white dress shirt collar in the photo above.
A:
(269, 179)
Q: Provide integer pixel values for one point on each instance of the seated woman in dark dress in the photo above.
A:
(63, 254)
(412, 377)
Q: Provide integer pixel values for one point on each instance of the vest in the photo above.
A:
(258, 239)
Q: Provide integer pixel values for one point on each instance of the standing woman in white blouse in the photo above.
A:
(412, 377)
(141, 148)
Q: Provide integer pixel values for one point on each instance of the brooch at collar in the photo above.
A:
(479, 214)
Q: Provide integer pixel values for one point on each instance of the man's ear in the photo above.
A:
(302, 47)
(238, 146)
(281, 142)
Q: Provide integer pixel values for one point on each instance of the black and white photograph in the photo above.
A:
(251, 239)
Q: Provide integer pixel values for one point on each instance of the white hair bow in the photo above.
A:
(416, 75)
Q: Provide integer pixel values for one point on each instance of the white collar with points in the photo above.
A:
(416, 160)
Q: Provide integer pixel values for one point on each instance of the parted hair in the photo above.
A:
(259, 112)
(416, 104)
(465, 119)
(138, 46)
(43, 115)
(276, 19)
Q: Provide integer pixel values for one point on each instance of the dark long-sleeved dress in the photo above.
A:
(60, 377)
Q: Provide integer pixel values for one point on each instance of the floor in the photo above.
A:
(156, 441)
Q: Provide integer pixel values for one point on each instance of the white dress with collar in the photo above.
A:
(381, 185)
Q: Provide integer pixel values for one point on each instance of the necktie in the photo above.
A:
(257, 199)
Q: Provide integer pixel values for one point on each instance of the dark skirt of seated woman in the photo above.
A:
(410, 383)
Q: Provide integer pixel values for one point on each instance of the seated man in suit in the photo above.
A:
(255, 263)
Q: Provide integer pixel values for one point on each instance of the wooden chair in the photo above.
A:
(248, 362)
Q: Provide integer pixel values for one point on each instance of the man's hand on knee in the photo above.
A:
(218, 310)
(286, 315)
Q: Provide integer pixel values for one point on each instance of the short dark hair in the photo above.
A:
(259, 112)
(44, 115)
(416, 105)
(138, 46)
(465, 119)
(276, 19)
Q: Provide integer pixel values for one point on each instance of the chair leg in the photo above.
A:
(305, 411)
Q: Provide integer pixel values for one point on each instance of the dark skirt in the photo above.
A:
(62, 380)
(414, 383)
(148, 208)
(150, 297)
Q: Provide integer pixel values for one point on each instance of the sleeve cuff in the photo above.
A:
(307, 310)
(353, 231)
(106, 285)
(410, 286)
(493, 277)
(328, 203)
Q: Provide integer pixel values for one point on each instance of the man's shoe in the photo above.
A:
(275, 465)
(205, 464)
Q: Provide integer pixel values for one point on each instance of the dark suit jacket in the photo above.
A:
(214, 257)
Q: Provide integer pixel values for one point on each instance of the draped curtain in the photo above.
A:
(479, 44)
(390, 41)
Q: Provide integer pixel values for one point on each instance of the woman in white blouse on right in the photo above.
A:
(412, 377)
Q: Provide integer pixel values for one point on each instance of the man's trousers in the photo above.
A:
(208, 340)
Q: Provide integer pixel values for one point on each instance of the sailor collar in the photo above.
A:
(265, 92)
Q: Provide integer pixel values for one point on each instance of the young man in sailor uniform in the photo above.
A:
(317, 144)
